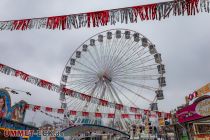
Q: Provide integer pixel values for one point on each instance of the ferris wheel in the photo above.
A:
(118, 65)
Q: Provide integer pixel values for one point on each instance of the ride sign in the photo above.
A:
(194, 111)
(203, 108)
(198, 93)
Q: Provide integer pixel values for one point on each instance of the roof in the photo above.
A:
(75, 130)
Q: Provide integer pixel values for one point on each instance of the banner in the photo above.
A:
(69, 92)
(88, 114)
(194, 111)
(154, 11)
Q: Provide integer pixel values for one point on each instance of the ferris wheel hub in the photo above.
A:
(107, 78)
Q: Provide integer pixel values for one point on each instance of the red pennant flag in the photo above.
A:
(72, 112)
(103, 102)
(67, 91)
(22, 75)
(111, 115)
(86, 97)
(159, 114)
(119, 106)
(61, 111)
(57, 22)
(44, 83)
(138, 116)
(36, 107)
(168, 115)
(26, 106)
(125, 116)
(1, 66)
(48, 109)
(85, 113)
(98, 115)
(146, 112)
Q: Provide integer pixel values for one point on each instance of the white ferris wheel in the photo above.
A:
(118, 65)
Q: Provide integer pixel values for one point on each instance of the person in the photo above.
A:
(3, 107)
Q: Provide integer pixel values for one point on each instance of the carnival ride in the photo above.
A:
(119, 65)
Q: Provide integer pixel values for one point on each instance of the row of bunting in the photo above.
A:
(151, 114)
(53, 87)
(155, 11)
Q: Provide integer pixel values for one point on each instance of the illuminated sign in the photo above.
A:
(203, 108)
(198, 93)
(194, 111)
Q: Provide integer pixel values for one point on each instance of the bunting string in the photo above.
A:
(62, 90)
(152, 114)
(155, 11)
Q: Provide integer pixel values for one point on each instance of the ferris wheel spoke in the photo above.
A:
(94, 60)
(139, 77)
(130, 60)
(114, 93)
(75, 104)
(80, 80)
(83, 76)
(119, 91)
(86, 66)
(115, 87)
(113, 48)
(80, 85)
(98, 58)
(74, 85)
(116, 48)
(138, 85)
(133, 92)
(134, 71)
(137, 69)
(89, 62)
(102, 46)
(101, 96)
(136, 62)
(89, 87)
(91, 94)
(85, 84)
(82, 70)
(123, 52)
(115, 52)
(108, 49)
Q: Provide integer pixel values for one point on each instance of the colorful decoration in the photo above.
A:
(52, 116)
(18, 111)
(155, 11)
(5, 104)
(9, 124)
(194, 111)
(198, 93)
(53, 87)
(93, 114)
(15, 112)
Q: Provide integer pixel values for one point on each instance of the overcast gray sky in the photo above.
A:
(183, 42)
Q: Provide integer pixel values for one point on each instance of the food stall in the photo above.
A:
(195, 118)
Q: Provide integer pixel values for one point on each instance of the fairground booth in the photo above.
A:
(11, 117)
(194, 118)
